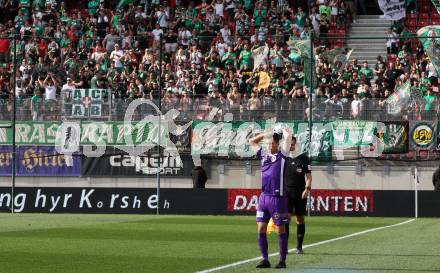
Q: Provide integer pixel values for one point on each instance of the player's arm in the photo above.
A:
(255, 141)
(286, 141)
(308, 188)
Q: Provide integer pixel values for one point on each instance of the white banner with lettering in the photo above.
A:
(392, 9)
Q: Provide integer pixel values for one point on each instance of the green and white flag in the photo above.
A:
(337, 57)
(436, 4)
(398, 99)
(429, 37)
(304, 49)
(124, 3)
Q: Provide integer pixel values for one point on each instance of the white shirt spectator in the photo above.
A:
(156, 34)
(226, 34)
(184, 37)
(355, 107)
(50, 92)
(431, 70)
(67, 89)
(219, 8)
(116, 56)
(162, 18)
(221, 48)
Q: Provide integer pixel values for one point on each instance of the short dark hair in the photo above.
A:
(277, 137)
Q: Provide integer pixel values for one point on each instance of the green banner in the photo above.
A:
(100, 133)
(394, 137)
(431, 44)
(87, 102)
(353, 133)
(231, 138)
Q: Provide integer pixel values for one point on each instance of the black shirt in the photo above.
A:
(295, 170)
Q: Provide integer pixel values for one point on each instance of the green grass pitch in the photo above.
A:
(138, 243)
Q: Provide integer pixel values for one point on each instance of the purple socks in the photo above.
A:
(282, 240)
(262, 243)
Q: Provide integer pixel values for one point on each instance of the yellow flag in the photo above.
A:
(271, 227)
(264, 80)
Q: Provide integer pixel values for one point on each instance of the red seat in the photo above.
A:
(412, 22)
(424, 16)
(435, 21)
(425, 7)
(435, 15)
(339, 43)
(423, 23)
(423, 154)
(412, 16)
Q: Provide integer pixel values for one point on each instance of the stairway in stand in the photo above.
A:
(367, 27)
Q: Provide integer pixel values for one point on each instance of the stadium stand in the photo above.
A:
(207, 58)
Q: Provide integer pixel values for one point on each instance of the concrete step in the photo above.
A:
(367, 49)
(357, 54)
(363, 20)
(370, 32)
(368, 16)
(366, 42)
(369, 28)
(370, 24)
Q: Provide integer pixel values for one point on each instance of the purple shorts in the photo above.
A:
(273, 206)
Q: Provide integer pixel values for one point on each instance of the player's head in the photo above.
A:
(293, 144)
(277, 135)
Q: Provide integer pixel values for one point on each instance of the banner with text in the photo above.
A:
(118, 163)
(322, 202)
(211, 201)
(37, 161)
(393, 9)
(100, 133)
(232, 138)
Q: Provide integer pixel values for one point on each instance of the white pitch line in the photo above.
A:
(306, 246)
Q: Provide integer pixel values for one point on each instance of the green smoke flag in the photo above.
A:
(429, 37)
(303, 49)
(124, 3)
(436, 4)
(399, 99)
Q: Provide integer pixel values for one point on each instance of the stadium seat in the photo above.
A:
(425, 7)
(424, 16)
(423, 23)
(412, 23)
(424, 154)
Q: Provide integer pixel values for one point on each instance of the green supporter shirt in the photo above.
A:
(230, 59)
(323, 9)
(300, 19)
(36, 101)
(246, 57)
(93, 7)
(367, 72)
(429, 101)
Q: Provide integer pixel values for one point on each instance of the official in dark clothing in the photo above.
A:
(199, 177)
(436, 179)
(298, 181)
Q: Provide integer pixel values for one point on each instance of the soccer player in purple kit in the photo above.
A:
(272, 201)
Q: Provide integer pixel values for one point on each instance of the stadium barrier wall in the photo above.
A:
(213, 201)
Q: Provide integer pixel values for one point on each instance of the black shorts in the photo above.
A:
(296, 205)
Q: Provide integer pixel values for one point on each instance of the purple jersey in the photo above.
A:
(272, 168)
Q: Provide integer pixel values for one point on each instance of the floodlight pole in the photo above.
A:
(14, 82)
(159, 126)
(416, 197)
(309, 197)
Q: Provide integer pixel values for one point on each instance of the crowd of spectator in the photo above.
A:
(207, 58)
